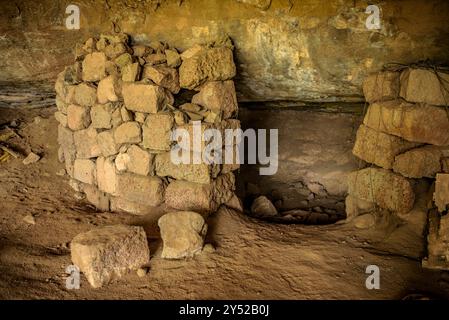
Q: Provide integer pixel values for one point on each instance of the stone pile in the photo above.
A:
(118, 105)
(405, 138)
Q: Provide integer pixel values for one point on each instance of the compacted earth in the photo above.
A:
(40, 214)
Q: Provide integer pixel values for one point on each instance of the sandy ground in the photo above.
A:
(253, 259)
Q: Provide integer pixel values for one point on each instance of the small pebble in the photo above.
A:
(29, 219)
(31, 158)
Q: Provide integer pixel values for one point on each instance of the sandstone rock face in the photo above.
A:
(379, 148)
(182, 234)
(145, 97)
(381, 86)
(218, 96)
(108, 253)
(413, 122)
(263, 207)
(419, 162)
(426, 86)
(208, 65)
(387, 189)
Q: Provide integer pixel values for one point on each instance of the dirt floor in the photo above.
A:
(253, 259)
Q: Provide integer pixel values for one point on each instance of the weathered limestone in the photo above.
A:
(182, 234)
(108, 90)
(128, 132)
(426, 86)
(379, 148)
(84, 171)
(199, 173)
(381, 86)
(107, 253)
(101, 116)
(207, 65)
(140, 189)
(86, 143)
(419, 162)
(117, 113)
(163, 76)
(263, 207)
(413, 122)
(388, 190)
(94, 67)
(218, 96)
(146, 98)
(157, 131)
(441, 194)
(78, 117)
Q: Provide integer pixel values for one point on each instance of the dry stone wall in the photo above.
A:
(405, 138)
(117, 108)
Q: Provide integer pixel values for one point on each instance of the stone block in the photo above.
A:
(94, 66)
(85, 95)
(108, 90)
(157, 131)
(145, 190)
(106, 175)
(86, 143)
(101, 116)
(107, 253)
(85, 171)
(146, 98)
(128, 132)
(419, 162)
(182, 234)
(163, 76)
(99, 199)
(381, 86)
(218, 96)
(105, 140)
(78, 117)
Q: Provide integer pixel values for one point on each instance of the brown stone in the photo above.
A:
(86, 143)
(208, 65)
(182, 234)
(388, 190)
(94, 66)
(85, 171)
(107, 143)
(107, 253)
(145, 97)
(381, 86)
(108, 90)
(106, 175)
(128, 132)
(419, 162)
(200, 173)
(145, 190)
(163, 76)
(263, 207)
(101, 116)
(379, 148)
(99, 199)
(427, 86)
(85, 95)
(413, 122)
(78, 117)
(441, 194)
(218, 96)
(157, 131)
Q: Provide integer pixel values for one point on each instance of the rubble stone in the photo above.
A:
(105, 140)
(182, 234)
(107, 253)
(108, 90)
(163, 76)
(262, 207)
(106, 175)
(94, 66)
(218, 96)
(85, 171)
(85, 95)
(78, 117)
(145, 97)
(101, 116)
(128, 132)
(140, 189)
(157, 131)
(86, 143)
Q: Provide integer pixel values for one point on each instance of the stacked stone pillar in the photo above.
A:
(118, 105)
